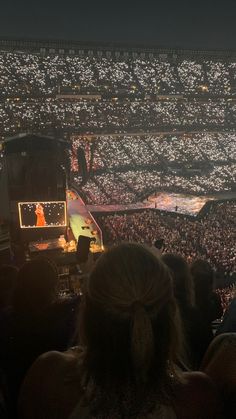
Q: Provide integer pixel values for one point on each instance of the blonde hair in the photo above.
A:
(129, 319)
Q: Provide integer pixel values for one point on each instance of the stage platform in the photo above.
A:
(185, 204)
(81, 221)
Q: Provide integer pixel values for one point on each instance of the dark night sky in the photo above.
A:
(170, 23)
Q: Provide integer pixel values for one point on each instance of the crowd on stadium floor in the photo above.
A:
(211, 238)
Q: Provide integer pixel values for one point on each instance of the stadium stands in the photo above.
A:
(168, 119)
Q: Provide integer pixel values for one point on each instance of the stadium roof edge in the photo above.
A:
(24, 136)
(56, 44)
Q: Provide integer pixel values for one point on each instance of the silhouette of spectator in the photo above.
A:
(229, 320)
(8, 277)
(220, 364)
(207, 301)
(35, 324)
(130, 335)
(197, 333)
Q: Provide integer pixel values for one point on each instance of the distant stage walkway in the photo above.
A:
(166, 201)
(81, 220)
(120, 207)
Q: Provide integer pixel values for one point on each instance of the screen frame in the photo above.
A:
(42, 202)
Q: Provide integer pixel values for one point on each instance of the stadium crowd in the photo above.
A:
(157, 311)
(37, 74)
(113, 115)
(51, 93)
(127, 168)
(156, 318)
(226, 295)
(147, 150)
(74, 95)
(211, 238)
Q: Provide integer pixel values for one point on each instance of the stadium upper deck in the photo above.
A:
(178, 108)
(108, 49)
(60, 87)
(39, 69)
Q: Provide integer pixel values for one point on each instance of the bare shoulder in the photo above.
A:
(222, 348)
(50, 366)
(220, 362)
(47, 381)
(52, 358)
(198, 398)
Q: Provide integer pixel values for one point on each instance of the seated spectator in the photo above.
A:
(8, 277)
(197, 333)
(207, 301)
(34, 324)
(130, 331)
(229, 320)
(219, 363)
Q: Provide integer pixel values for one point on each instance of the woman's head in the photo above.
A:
(182, 279)
(203, 277)
(129, 321)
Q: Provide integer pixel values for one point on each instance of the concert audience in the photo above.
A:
(197, 332)
(106, 116)
(207, 301)
(212, 238)
(170, 126)
(130, 167)
(219, 363)
(227, 293)
(34, 74)
(130, 331)
(35, 323)
(228, 323)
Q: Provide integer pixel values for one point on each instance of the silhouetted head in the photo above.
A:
(159, 243)
(203, 275)
(36, 285)
(183, 283)
(129, 321)
(8, 277)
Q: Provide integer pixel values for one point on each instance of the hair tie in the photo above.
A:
(136, 306)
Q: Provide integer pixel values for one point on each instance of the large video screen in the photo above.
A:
(42, 214)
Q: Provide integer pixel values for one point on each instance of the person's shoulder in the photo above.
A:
(46, 368)
(197, 381)
(220, 360)
(222, 344)
(54, 361)
(45, 382)
(197, 397)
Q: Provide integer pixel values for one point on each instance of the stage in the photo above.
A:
(81, 221)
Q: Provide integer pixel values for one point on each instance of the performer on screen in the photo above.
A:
(40, 222)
